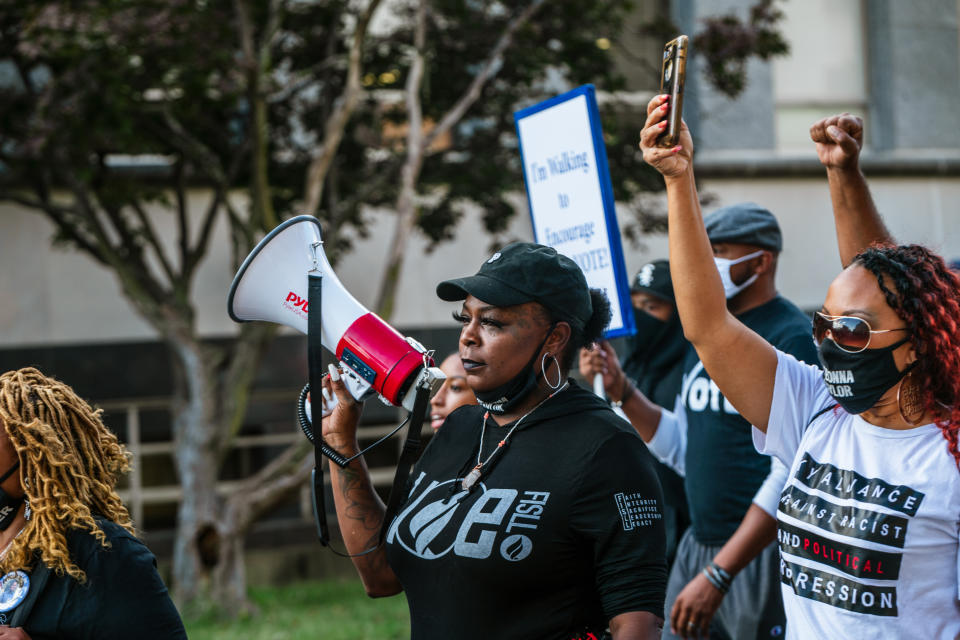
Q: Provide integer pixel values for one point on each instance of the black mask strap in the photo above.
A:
(500, 400)
(9, 472)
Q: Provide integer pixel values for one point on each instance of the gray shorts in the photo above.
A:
(752, 610)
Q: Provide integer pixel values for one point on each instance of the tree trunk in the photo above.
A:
(197, 462)
(230, 575)
(253, 496)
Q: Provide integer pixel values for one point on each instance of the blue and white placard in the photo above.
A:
(570, 194)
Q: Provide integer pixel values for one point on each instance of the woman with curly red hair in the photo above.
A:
(869, 520)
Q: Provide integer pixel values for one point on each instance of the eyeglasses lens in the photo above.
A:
(850, 334)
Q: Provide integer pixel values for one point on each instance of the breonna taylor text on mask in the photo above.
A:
(838, 382)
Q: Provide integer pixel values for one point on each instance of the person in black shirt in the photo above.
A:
(533, 515)
(71, 565)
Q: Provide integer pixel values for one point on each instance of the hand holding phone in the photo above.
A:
(672, 76)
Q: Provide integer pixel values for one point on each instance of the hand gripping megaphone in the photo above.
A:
(287, 279)
(272, 285)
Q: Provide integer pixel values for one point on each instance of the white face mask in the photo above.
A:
(723, 266)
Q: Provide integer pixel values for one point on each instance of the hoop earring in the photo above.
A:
(543, 370)
(913, 401)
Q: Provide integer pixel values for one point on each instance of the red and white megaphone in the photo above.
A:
(272, 285)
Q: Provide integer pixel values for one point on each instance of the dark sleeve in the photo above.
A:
(802, 348)
(619, 510)
(123, 597)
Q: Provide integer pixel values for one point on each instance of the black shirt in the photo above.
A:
(122, 598)
(723, 469)
(561, 534)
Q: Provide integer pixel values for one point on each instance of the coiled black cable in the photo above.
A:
(325, 449)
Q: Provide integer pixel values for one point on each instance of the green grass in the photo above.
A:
(327, 610)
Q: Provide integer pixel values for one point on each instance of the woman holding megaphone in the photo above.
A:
(535, 514)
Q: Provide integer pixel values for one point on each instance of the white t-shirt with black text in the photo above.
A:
(869, 519)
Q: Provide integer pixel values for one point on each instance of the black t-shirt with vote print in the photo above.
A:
(563, 532)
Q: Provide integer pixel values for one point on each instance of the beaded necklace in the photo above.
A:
(474, 476)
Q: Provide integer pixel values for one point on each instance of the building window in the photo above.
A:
(826, 70)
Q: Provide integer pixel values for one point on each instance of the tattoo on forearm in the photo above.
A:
(361, 506)
(359, 498)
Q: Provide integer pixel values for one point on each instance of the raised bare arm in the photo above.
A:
(741, 363)
(839, 140)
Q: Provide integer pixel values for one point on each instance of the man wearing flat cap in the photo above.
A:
(726, 571)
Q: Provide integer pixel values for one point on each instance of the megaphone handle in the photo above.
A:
(315, 365)
(319, 501)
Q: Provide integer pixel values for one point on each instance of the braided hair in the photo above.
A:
(925, 294)
(69, 466)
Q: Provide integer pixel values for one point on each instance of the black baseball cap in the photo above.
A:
(527, 272)
(654, 278)
(744, 223)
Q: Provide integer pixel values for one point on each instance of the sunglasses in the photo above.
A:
(851, 334)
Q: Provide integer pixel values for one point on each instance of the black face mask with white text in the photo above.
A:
(857, 380)
(508, 395)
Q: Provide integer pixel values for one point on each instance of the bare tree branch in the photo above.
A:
(406, 199)
(183, 224)
(417, 144)
(241, 234)
(88, 211)
(274, 16)
(336, 123)
(57, 215)
(219, 197)
(256, 62)
(246, 33)
(304, 79)
(150, 235)
(203, 158)
(490, 68)
(286, 473)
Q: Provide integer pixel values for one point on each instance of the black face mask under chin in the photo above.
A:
(9, 506)
(508, 395)
(857, 380)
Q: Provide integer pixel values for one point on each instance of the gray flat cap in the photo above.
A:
(744, 223)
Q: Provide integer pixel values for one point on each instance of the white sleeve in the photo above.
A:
(669, 443)
(799, 392)
(768, 496)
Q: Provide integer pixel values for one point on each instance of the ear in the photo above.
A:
(559, 338)
(911, 353)
(765, 262)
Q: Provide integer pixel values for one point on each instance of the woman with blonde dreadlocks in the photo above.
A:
(70, 564)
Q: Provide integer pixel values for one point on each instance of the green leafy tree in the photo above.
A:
(269, 108)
